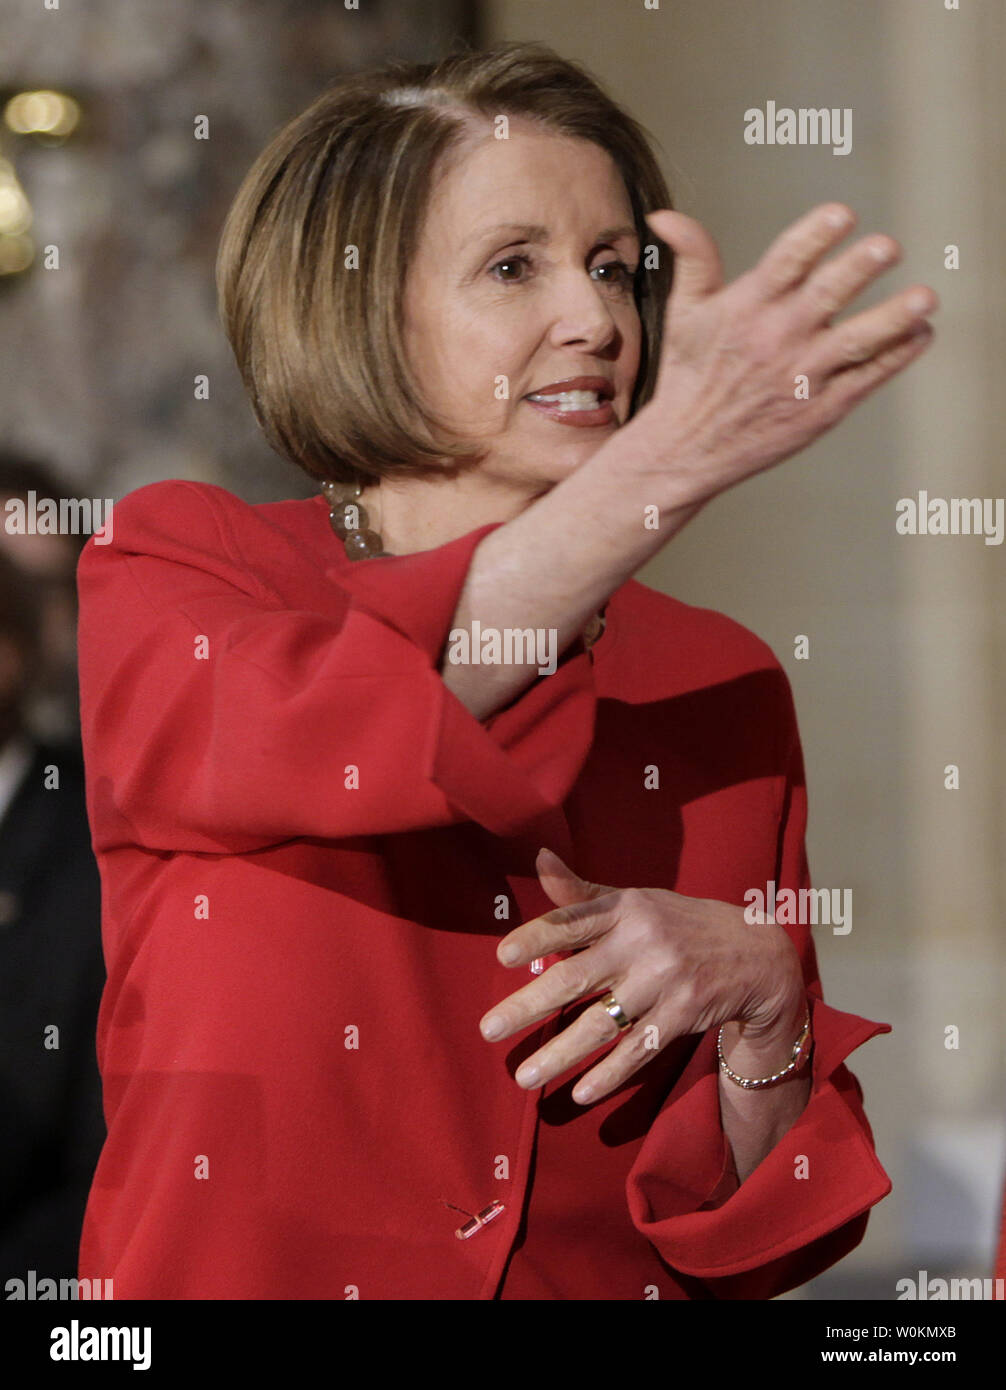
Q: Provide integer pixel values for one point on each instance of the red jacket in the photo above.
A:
(297, 1094)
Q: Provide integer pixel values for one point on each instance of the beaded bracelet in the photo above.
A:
(801, 1050)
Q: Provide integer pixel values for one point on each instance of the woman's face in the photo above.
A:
(524, 272)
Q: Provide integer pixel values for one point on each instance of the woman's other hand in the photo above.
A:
(676, 965)
(753, 371)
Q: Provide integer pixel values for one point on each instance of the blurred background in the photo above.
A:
(110, 209)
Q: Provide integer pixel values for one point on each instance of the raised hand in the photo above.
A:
(730, 398)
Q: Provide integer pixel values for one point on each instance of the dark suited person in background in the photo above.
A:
(51, 560)
(51, 966)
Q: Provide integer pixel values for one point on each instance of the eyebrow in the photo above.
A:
(534, 232)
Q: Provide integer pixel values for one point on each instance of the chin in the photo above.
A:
(561, 465)
(550, 465)
(580, 450)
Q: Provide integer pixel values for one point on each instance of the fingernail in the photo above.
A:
(492, 1027)
(837, 217)
(921, 303)
(508, 954)
(527, 1074)
(582, 1094)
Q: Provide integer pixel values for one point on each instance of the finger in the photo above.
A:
(563, 885)
(835, 283)
(698, 271)
(798, 249)
(849, 386)
(860, 339)
(638, 1046)
(565, 928)
(564, 982)
(590, 1030)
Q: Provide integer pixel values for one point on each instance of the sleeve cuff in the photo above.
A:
(415, 594)
(523, 761)
(775, 1212)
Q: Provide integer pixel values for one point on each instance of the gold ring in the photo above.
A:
(611, 1006)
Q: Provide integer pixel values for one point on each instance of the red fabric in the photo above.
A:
(1000, 1269)
(235, 668)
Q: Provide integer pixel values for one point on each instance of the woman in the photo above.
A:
(319, 825)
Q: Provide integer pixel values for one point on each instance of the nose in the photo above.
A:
(582, 315)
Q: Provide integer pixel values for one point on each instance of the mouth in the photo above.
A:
(576, 401)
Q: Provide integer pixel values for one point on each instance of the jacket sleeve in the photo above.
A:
(216, 716)
(806, 1205)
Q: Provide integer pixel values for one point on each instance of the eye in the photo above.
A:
(617, 273)
(510, 261)
(621, 278)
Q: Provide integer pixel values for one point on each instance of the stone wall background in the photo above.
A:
(100, 355)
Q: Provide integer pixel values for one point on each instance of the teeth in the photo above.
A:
(571, 400)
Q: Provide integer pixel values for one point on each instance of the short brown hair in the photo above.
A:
(319, 347)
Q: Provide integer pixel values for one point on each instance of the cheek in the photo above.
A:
(483, 350)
